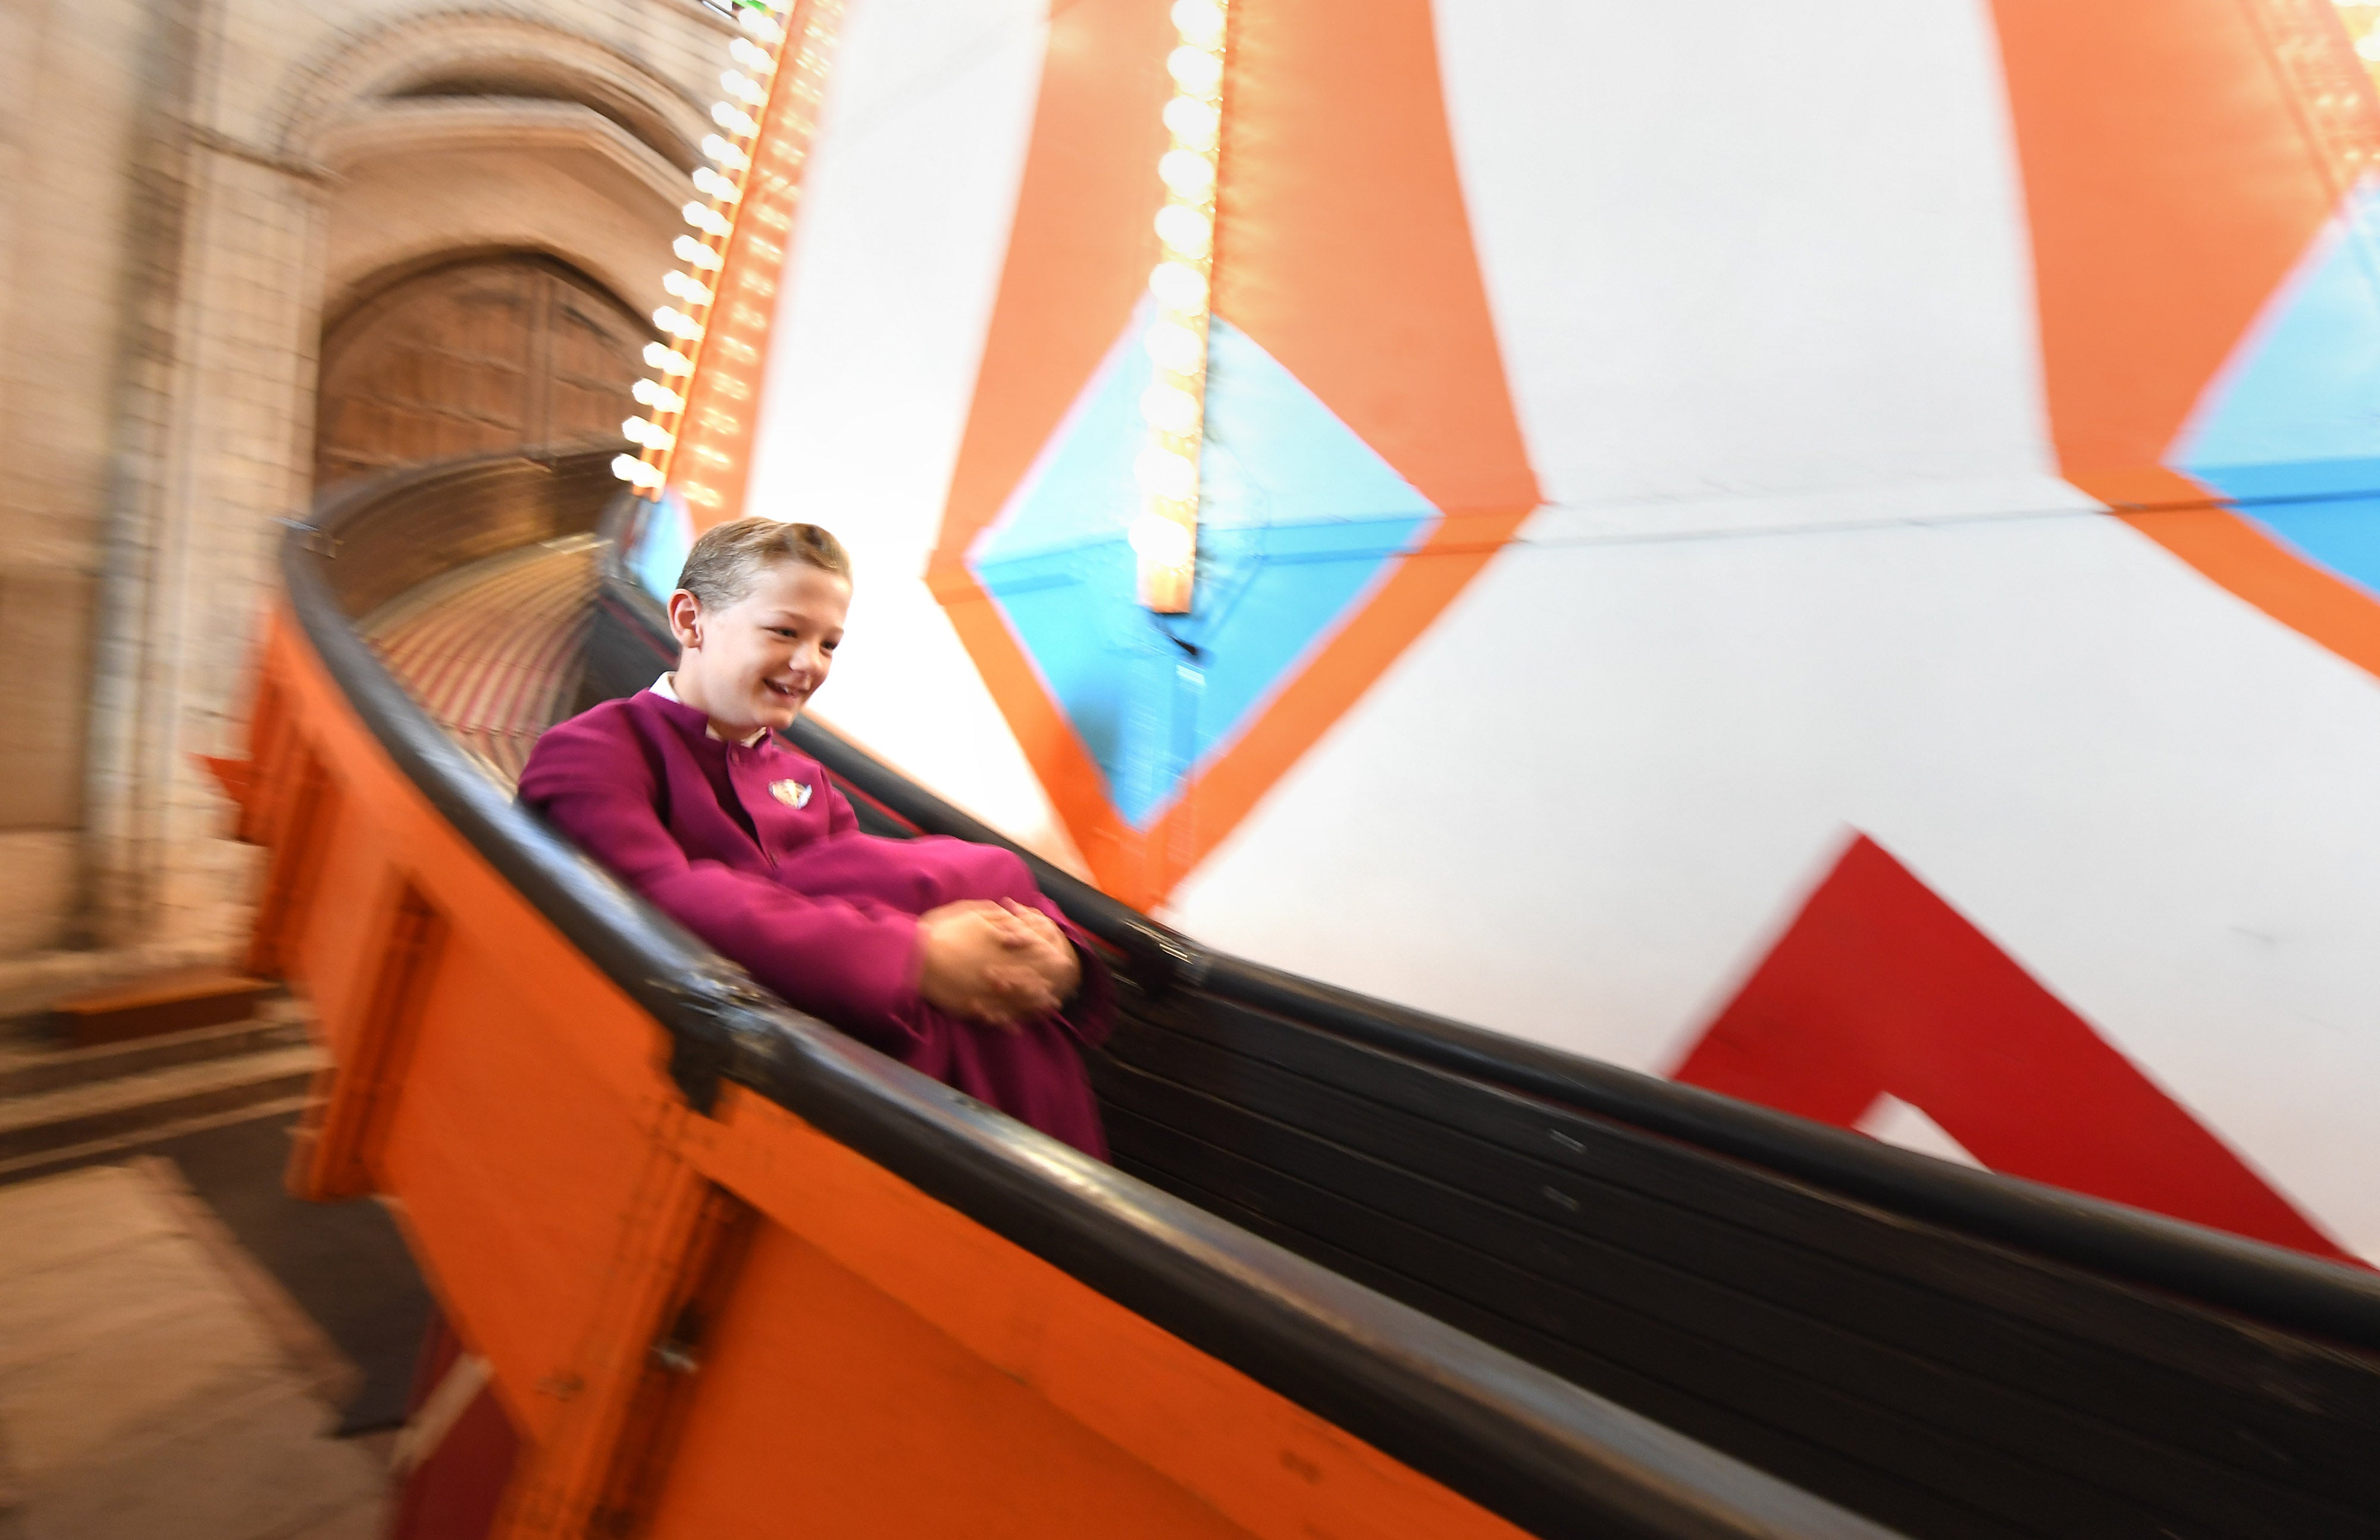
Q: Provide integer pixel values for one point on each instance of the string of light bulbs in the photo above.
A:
(1165, 530)
(712, 216)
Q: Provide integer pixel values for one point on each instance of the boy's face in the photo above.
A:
(755, 662)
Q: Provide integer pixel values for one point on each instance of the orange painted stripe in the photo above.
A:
(2182, 515)
(1067, 772)
(1422, 586)
(1080, 252)
(2171, 184)
(1345, 246)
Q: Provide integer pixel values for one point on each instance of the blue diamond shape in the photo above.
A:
(1299, 521)
(2290, 429)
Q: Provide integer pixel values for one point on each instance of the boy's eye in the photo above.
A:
(781, 631)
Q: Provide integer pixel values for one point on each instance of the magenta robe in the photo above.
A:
(751, 849)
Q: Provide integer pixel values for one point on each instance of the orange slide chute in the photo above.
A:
(883, 1364)
(701, 1314)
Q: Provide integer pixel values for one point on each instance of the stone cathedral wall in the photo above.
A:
(189, 191)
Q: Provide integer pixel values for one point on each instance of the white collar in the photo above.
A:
(666, 687)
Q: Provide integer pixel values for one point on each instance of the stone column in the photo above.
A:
(73, 90)
(213, 449)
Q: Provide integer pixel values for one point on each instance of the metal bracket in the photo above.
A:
(321, 542)
(705, 1046)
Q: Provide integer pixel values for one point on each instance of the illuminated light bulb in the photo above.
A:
(1194, 122)
(762, 28)
(1176, 347)
(743, 87)
(686, 288)
(702, 217)
(733, 119)
(652, 435)
(1188, 173)
(724, 153)
(628, 468)
(667, 360)
(1162, 473)
(752, 57)
(1178, 286)
(1194, 70)
(677, 323)
(695, 254)
(1185, 229)
(1169, 409)
(714, 184)
(660, 397)
(1162, 541)
(2369, 45)
(1200, 22)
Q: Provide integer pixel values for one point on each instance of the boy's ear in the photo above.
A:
(686, 618)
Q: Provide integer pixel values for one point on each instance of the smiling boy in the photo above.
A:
(942, 953)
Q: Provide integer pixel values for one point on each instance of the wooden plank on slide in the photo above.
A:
(1990, 1446)
(1878, 1493)
(1848, 1323)
(2104, 1328)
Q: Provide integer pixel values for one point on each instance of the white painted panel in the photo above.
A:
(1742, 246)
(1896, 1122)
(1583, 808)
(890, 286)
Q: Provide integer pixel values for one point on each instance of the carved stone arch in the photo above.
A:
(470, 55)
(461, 130)
(448, 148)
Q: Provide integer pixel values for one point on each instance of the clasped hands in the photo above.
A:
(996, 962)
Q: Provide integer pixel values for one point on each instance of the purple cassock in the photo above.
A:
(747, 846)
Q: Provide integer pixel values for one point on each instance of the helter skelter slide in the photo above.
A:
(1388, 478)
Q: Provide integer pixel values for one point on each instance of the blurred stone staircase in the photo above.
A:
(64, 1106)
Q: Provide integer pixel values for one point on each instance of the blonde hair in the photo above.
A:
(730, 557)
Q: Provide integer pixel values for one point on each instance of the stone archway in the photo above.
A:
(490, 353)
(290, 162)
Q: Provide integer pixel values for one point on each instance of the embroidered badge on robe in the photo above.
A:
(793, 794)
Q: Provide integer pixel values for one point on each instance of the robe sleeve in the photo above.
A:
(853, 962)
(840, 819)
